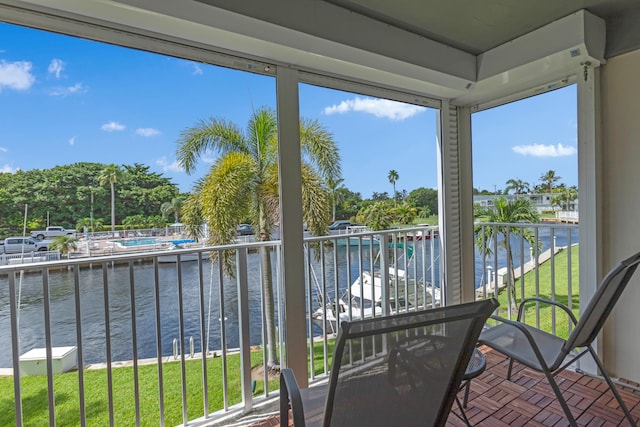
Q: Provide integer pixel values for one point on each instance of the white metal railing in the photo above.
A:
(29, 257)
(134, 307)
(127, 310)
(535, 270)
(571, 216)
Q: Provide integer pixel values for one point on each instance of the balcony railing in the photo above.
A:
(159, 313)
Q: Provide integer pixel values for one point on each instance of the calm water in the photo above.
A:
(92, 308)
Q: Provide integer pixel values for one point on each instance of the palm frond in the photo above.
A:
(319, 149)
(262, 136)
(215, 134)
(315, 201)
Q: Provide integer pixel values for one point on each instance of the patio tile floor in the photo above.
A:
(529, 401)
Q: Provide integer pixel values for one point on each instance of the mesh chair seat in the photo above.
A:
(546, 353)
(396, 370)
(513, 343)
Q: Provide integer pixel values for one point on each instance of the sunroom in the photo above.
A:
(456, 57)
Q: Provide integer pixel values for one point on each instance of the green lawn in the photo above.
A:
(34, 388)
(547, 313)
(35, 401)
(35, 406)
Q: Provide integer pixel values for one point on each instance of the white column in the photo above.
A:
(289, 161)
(455, 211)
(589, 173)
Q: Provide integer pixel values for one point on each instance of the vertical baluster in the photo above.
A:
(15, 346)
(107, 331)
(134, 342)
(243, 327)
(156, 288)
(79, 346)
(183, 367)
(203, 338)
(223, 333)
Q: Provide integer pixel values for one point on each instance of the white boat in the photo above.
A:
(363, 299)
(351, 236)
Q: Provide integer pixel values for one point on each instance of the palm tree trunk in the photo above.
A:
(334, 207)
(272, 355)
(113, 208)
(273, 364)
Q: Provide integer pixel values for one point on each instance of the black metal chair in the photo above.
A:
(403, 370)
(550, 354)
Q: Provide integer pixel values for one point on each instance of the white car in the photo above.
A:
(19, 244)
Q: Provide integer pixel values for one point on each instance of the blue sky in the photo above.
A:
(65, 100)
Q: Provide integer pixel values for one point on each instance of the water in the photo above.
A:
(139, 241)
(92, 309)
(337, 277)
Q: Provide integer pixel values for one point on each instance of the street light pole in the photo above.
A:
(91, 215)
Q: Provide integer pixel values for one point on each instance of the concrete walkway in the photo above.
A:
(518, 271)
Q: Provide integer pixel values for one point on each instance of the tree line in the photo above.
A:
(563, 194)
(67, 195)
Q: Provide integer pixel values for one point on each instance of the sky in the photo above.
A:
(65, 100)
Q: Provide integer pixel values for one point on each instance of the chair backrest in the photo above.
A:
(403, 369)
(601, 304)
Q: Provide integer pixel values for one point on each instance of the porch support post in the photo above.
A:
(289, 164)
(589, 192)
(455, 209)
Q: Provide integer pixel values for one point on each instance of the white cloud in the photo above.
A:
(72, 141)
(378, 107)
(147, 132)
(56, 66)
(168, 167)
(3, 149)
(540, 150)
(197, 70)
(16, 75)
(112, 127)
(77, 88)
(7, 169)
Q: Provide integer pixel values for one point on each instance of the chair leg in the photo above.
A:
(463, 415)
(466, 394)
(509, 370)
(612, 386)
(563, 403)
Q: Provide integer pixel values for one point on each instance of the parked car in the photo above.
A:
(19, 244)
(51, 232)
(245, 230)
(341, 225)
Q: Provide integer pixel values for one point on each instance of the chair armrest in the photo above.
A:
(546, 301)
(290, 392)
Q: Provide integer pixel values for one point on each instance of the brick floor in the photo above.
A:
(528, 400)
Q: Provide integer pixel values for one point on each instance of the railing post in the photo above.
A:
(384, 275)
(243, 327)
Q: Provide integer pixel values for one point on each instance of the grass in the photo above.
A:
(548, 314)
(35, 405)
(67, 406)
(34, 388)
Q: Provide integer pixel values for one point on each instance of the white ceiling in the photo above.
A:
(469, 53)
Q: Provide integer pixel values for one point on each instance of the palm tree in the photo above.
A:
(564, 196)
(517, 185)
(243, 183)
(393, 178)
(65, 244)
(110, 175)
(336, 196)
(549, 178)
(507, 212)
(172, 207)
